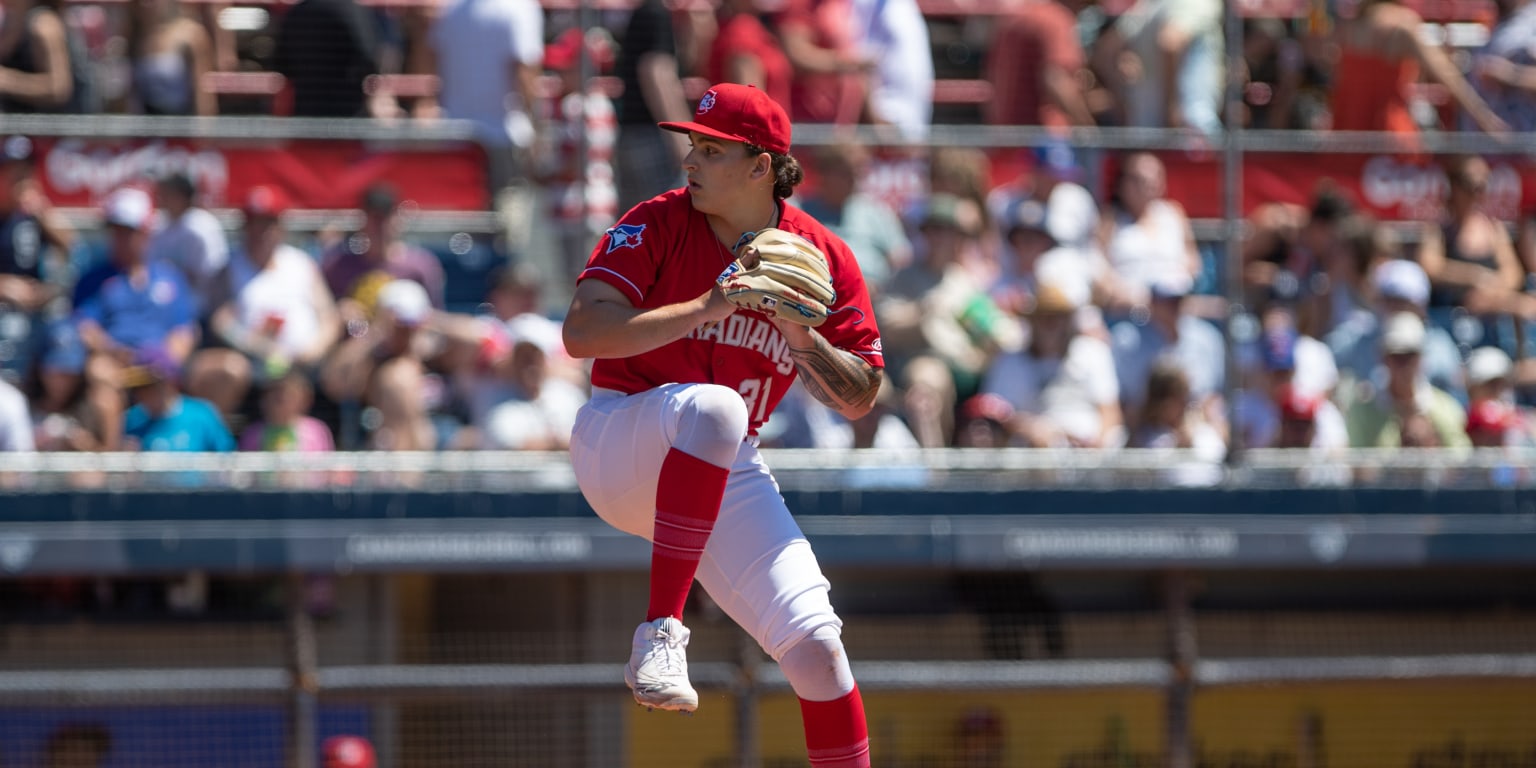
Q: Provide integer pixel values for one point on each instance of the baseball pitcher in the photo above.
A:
(700, 307)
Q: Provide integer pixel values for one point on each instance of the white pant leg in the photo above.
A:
(757, 565)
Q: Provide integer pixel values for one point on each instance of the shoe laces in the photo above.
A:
(666, 653)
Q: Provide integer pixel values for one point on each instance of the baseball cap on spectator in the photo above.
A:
(989, 406)
(1027, 215)
(948, 211)
(1486, 364)
(1053, 299)
(1278, 348)
(1404, 334)
(1171, 286)
(347, 752)
(151, 365)
(1071, 215)
(739, 113)
(129, 207)
(565, 51)
(1058, 160)
(1296, 405)
(540, 331)
(406, 300)
(1490, 415)
(265, 202)
(1403, 280)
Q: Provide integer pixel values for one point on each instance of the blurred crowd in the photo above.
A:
(1029, 313)
(1047, 310)
(1035, 314)
(186, 337)
(1372, 65)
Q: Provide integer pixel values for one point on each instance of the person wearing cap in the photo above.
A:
(279, 314)
(983, 422)
(1053, 180)
(390, 366)
(682, 380)
(191, 238)
(1407, 411)
(1491, 400)
(1062, 384)
(129, 304)
(536, 409)
(164, 419)
(347, 752)
(1395, 285)
(361, 263)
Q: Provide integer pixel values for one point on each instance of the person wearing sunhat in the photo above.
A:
(1062, 385)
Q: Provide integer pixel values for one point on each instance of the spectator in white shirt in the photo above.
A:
(1062, 385)
(280, 315)
(15, 420)
(489, 55)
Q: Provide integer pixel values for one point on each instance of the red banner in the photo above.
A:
(1392, 187)
(316, 174)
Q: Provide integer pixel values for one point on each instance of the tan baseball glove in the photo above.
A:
(782, 275)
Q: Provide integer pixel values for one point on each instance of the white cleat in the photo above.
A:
(658, 666)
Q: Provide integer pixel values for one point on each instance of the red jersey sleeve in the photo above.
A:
(628, 256)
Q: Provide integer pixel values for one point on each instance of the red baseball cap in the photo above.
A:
(263, 200)
(347, 752)
(1296, 405)
(1492, 415)
(739, 113)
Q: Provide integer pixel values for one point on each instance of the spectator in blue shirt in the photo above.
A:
(130, 304)
(163, 419)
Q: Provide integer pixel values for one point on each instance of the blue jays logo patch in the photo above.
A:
(625, 236)
(707, 103)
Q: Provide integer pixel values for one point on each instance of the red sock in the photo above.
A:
(836, 735)
(687, 502)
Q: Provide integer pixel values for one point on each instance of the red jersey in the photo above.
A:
(663, 252)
